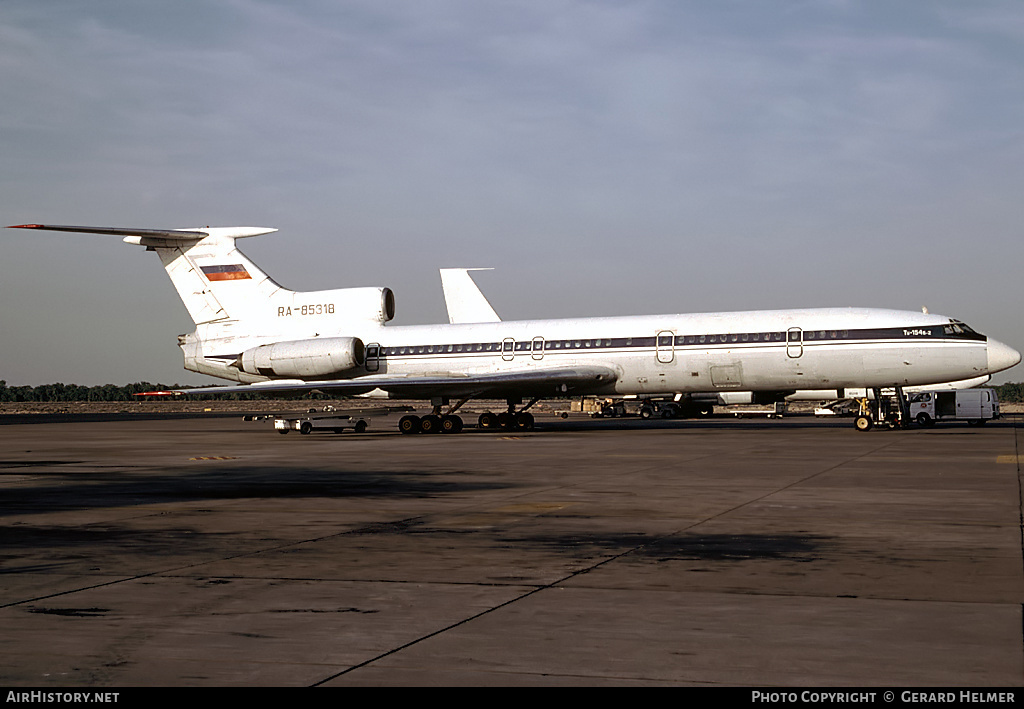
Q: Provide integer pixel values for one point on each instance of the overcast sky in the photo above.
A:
(606, 157)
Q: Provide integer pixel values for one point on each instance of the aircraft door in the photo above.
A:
(537, 349)
(372, 357)
(794, 342)
(665, 344)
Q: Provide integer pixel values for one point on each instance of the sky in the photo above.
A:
(605, 157)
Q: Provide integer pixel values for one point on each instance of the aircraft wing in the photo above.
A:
(549, 382)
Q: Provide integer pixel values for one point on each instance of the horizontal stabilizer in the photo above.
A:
(160, 234)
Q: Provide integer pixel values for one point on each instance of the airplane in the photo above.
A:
(251, 330)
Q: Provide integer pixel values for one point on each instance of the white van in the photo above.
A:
(975, 406)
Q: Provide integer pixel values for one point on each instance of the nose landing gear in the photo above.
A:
(891, 412)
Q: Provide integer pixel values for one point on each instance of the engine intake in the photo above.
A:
(318, 357)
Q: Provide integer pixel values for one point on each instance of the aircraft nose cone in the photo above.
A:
(1001, 356)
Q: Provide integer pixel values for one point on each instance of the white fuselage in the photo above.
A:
(760, 350)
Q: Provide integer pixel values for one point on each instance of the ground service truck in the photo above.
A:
(976, 406)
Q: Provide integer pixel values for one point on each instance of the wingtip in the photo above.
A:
(25, 226)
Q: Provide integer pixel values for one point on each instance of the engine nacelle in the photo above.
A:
(373, 303)
(317, 357)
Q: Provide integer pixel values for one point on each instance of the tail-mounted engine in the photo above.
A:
(342, 305)
(318, 357)
(375, 304)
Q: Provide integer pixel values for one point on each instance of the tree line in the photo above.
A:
(1011, 392)
(108, 392)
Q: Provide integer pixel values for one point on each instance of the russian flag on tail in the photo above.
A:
(232, 272)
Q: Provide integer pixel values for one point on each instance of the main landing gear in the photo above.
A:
(436, 422)
(431, 423)
(509, 420)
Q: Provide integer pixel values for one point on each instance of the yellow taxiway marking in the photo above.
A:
(215, 457)
(1016, 459)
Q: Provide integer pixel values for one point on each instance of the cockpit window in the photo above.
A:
(955, 327)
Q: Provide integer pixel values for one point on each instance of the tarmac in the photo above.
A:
(211, 551)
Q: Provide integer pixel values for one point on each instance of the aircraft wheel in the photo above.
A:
(706, 409)
(646, 412)
(283, 431)
(524, 421)
(976, 422)
(487, 420)
(924, 419)
(430, 424)
(451, 424)
(360, 427)
(862, 423)
(409, 424)
(306, 428)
